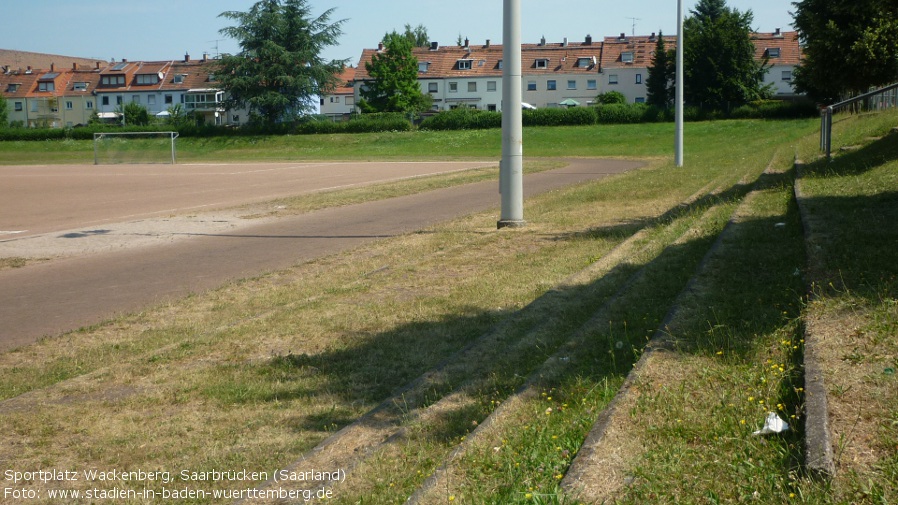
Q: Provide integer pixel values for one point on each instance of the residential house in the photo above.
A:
(341, 102)
(471, 75)
(559, 74)
(49, 98)
(625, 64)
(782, 51)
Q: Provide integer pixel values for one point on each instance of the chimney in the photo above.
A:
(487, 43)
(74, 66)
(467, 42)
(542, 41)
(98, 65)
(564, 44)
(380, 47)
(205, 57)
(434, 46)
(589, 40)
(53, 67)
(186, 57)
(124, 60)
(28, 70)
(623, 37)
(778, 33)
(652, 38)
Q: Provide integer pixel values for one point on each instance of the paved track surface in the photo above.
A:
(65, 294)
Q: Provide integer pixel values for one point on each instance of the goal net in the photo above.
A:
(132, 147)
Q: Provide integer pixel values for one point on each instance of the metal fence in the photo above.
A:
(880, 99)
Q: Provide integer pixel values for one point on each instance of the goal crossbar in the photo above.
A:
(169, 136)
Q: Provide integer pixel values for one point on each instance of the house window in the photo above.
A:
(472, 87)
(151, 100)
(168, 100)
(179, 78)
(69, 105)
(491, 85)
(531, 85)
(541, 63)
(592, 84)
(89, 104)
(34, 106)
(135, 98)
(499, 65)
(584, 62)
(350, 100)
(112, 80)
(572, 84)
(787, 75)
(773, 52)
(453, 87)
(423, 66)
(551, 85)
(147, 79)
(638, 78)
(105, 100)
(612, 79)
(465, 64)
(627, 57)
(119, 99)
(46, 86)
(80, 86)
(491, 107)
(18, 106)
(12, 88)
(433, 87)
(640, 99)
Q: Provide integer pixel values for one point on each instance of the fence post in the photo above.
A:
(829, 132)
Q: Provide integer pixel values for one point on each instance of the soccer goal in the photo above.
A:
(135, 147)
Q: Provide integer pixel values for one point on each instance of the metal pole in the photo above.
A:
(678, 137)
(511, 185)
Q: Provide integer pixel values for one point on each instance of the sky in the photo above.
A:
(169, 29)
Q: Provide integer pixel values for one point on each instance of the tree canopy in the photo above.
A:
(417, 36)
(280, 70)
(719, 57)
(662, 72)
(849, 46)
(394, 71)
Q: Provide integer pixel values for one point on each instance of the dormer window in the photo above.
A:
(773, 52)
(12, 88)
(627, 57)
(585, 62)
(113, 80)
(542, 63)
(147, 79)
(465, 64)
(79, 86)
(179, 78)
(423, 66)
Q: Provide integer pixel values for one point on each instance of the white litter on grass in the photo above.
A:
(773, 424)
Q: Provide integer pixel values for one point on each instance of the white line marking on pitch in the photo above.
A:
(2, 232)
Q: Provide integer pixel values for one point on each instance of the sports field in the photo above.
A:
(623, 347)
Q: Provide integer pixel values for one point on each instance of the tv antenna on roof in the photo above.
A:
(634, 20)
(217, 54)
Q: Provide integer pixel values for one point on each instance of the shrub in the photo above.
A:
(573, 116)
(463, 119)
(611, 98)
(626, 113)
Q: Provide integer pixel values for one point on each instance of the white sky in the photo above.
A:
(166, 29)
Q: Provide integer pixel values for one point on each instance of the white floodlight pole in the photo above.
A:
(511, 184)
(679, 98)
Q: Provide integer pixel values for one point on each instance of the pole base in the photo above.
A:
(511, 223)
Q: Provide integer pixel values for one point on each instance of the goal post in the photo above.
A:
(135, 147)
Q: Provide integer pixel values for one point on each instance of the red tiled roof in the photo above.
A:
(21, 60)
(786, 42)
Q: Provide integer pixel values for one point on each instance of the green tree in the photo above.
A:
(849, 46)
(136, 114)
(611, 98)
(4, 113)
(417, 35)
(719, 57)
(279, 71)
(394, 87)
(662, 73)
